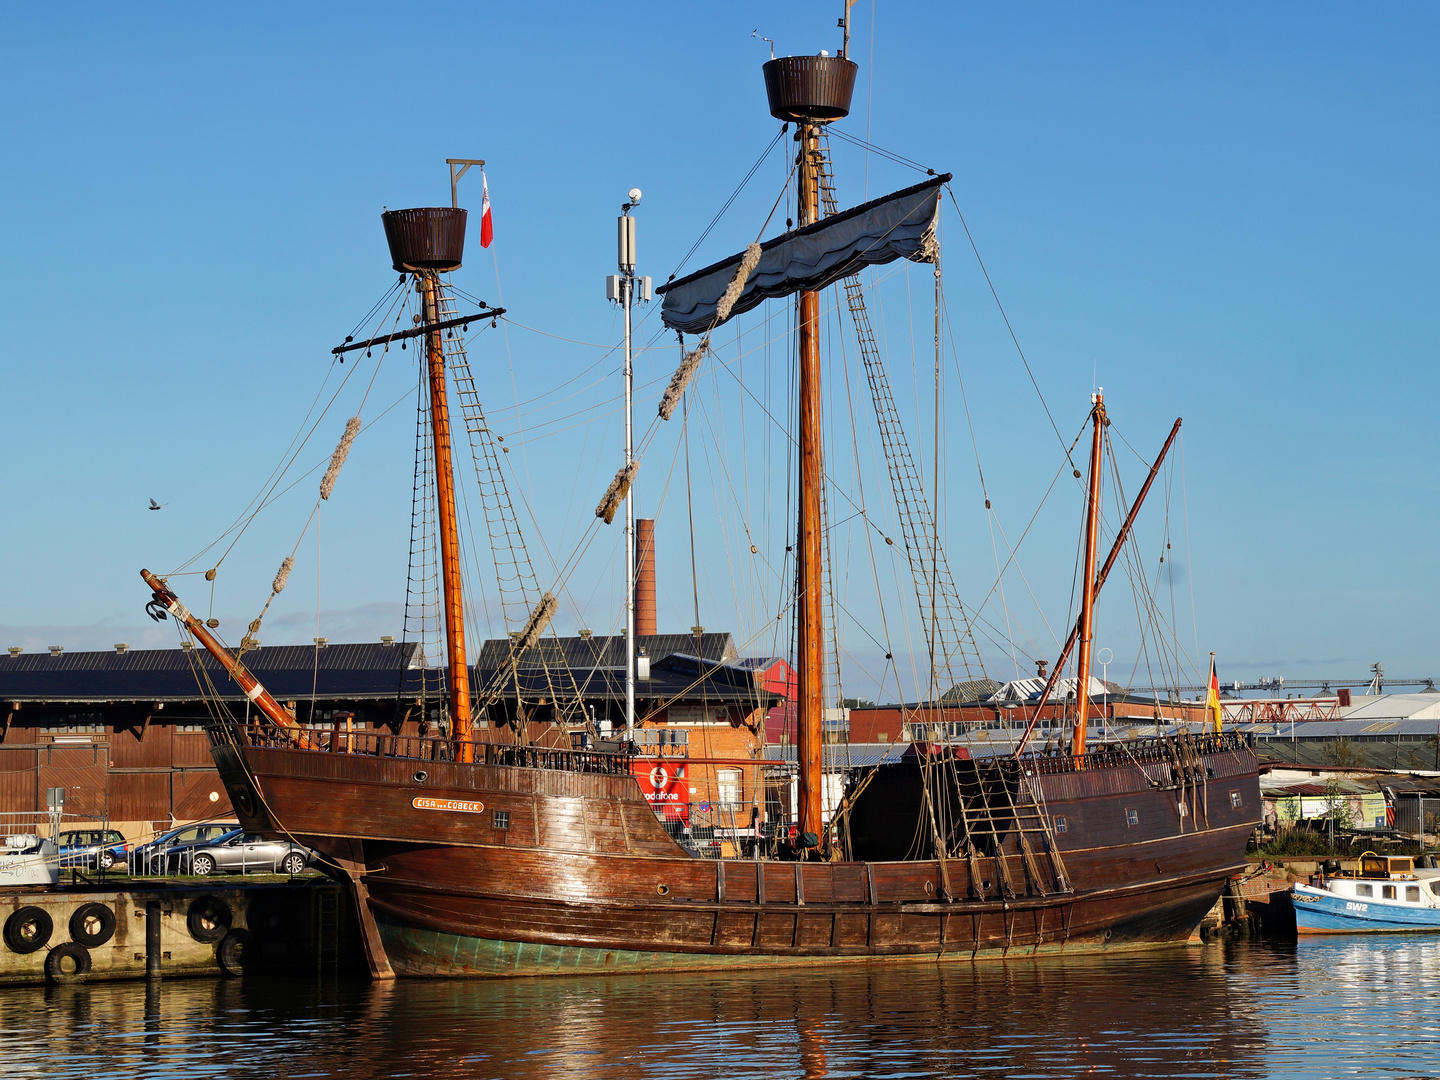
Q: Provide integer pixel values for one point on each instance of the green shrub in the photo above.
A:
(1300, 843)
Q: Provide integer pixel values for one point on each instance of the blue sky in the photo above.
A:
(1223, 212)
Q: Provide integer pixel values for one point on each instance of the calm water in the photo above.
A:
(1334, 1008)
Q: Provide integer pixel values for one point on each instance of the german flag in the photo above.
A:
(1212, 699)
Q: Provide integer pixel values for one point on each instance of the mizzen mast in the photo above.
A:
(811, 91)
(427, 242)
(1087, 592)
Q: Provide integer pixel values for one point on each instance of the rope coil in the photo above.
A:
(691, 363)
(680, 380)
(282, 575)
(748, 262)
(539, 620)
(616, 491)
(337, 459)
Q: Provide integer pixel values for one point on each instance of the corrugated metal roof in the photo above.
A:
(971, 690)
(1396, 707)
(674, 678)
(757, 663)
(844, 755)
(1030, 689)
(858, 755)
(593, 652)
(265, 658)
(1335, 785)
(1369, 729)
(287, 671)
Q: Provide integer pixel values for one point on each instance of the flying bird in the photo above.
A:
(154, 505)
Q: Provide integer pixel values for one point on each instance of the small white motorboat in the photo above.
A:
(29, 859)
(1383, 893)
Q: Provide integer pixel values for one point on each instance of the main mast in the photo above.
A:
(427, 242)
(810, 628)
(811, 91)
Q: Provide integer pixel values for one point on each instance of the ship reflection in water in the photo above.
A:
(1316, 1009)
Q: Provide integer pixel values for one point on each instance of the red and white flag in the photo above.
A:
(487, 229)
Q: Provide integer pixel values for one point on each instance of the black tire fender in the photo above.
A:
(28, 929)
(208, 919)
(55, 969)
(92, 925)
(234, 952)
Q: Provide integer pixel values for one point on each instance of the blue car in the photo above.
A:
(99, 848)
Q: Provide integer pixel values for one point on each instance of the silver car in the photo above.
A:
(248, 852)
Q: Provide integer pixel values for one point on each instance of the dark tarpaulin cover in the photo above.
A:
(898, 226)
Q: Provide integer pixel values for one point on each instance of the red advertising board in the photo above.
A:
(665, 787)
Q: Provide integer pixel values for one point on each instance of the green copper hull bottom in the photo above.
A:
(419, 953)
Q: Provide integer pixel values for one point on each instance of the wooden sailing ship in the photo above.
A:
(479, 858)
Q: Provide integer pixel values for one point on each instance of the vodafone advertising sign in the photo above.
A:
(665, 787)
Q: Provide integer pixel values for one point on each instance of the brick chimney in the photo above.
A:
(645, 577)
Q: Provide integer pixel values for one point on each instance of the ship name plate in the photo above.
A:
(463, 806)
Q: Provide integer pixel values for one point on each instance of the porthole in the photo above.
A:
(663, 890)
(420, 776)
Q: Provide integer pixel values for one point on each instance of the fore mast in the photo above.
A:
(428, 242)
(810, 91)
(425, 242)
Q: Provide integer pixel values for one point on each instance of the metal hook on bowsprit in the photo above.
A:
(156, 610)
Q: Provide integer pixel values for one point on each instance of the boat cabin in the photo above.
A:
(1385, 866)
(1383, 877)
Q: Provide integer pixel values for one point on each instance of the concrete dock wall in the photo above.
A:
(74, 934)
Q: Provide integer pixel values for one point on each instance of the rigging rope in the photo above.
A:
(1038, 393)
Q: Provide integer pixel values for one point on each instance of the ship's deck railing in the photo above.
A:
(328, 740)
(1135, 751)
(432, 748)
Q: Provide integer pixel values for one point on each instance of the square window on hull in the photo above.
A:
(1235, 799)
(501, 819)
(1132, 817)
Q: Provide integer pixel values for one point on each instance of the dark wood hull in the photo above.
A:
(585, 878)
